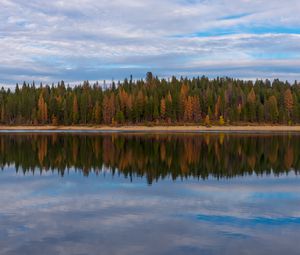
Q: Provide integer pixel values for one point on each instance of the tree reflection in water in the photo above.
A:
(154, 156)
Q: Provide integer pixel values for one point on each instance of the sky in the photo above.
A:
(76, 40)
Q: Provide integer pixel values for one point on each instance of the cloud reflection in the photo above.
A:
(76, 215)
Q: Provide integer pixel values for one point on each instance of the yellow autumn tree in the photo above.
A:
(221, 120)
(288, 102)
(163, 108)
(207, 121)
(188, 109)
(42, 109)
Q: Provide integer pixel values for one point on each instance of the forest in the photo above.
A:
(150, 101)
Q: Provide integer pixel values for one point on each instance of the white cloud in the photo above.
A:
(47, 41)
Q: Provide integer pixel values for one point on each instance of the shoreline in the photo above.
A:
(131, 128)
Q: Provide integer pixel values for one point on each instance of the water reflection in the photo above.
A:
(153, 156)
(234, 212)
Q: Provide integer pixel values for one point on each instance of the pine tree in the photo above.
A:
(2, 114)
(272, 109)
(75, 116)
(169, 107)
(155, 109)
(188, 109)
(106, 110)
(196, 109)
(251, 99)
(140, 105)
(217, 107)
(174, 100)
(97, 113)
(120, 117)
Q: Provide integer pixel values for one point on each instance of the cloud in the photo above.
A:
(77, 40)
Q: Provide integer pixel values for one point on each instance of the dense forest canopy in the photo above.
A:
(173, 101)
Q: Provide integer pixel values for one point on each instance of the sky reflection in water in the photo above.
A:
(110, 214)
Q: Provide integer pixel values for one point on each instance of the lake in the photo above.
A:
(114, 193)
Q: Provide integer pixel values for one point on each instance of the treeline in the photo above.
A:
(198, 100)
(152, 156)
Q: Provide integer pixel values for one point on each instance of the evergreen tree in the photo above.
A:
(175, 101)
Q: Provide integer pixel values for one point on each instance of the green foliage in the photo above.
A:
(153, 100)
(120, 117)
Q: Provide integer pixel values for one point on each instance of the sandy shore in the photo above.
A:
(264, 128)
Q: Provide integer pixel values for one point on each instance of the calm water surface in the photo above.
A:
(149, 194)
